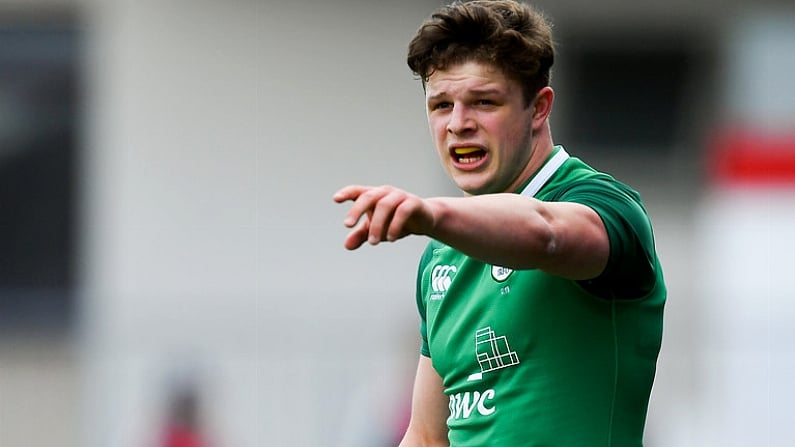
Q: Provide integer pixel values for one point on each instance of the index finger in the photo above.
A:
(350, 192)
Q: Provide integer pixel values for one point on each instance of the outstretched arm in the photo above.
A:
(429, 409)
(509, 230)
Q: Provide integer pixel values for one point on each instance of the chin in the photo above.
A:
(473, 183)
(472, 188)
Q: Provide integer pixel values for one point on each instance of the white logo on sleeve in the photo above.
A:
(441, 278)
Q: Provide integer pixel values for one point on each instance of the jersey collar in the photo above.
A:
(545, 173)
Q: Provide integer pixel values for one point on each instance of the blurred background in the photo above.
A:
(171, 263)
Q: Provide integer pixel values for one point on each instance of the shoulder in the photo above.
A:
(633, 267)
(575, 176)
(580, 183)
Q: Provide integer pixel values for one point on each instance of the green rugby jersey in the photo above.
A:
(533, 359)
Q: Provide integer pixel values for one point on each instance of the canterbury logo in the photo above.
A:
(441, 278)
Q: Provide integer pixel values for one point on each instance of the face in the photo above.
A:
(481, 127)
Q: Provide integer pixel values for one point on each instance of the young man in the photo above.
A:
(540, 294)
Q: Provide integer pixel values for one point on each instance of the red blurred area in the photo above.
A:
(177, 436)
(749, 156)
(183, 426)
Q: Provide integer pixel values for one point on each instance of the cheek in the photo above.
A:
(438, 133)
(494, 126)
(516, 133)
(436, 125)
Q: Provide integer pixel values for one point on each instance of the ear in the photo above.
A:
(542, 106)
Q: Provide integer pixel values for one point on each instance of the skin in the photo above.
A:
(474, 105)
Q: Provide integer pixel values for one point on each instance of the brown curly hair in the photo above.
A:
(509, 35)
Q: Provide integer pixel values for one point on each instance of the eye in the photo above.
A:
(441, 105)
(485, 102)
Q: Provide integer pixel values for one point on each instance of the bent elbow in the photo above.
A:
(549, 241)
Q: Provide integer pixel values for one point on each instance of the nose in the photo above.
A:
(461, 120)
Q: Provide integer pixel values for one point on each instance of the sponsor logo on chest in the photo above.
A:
(493, 353)
(500, 274)
(464, 405)
(441, 277)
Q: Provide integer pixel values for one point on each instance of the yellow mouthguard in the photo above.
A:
(465, 150)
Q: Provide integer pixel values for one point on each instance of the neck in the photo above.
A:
(542, 149)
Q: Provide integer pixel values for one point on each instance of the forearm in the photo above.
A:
(501, 229)
(429, 409)
(508, 230)
(412, 439)
(519, 232)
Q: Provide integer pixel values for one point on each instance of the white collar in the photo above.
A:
(544, 174)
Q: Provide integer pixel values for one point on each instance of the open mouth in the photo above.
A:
(466, 155)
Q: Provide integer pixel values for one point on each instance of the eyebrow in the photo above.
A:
(473, 92)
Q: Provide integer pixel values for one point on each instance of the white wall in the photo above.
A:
(218, 133)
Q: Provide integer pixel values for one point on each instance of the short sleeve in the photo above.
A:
(630, 271)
